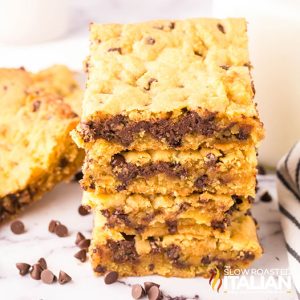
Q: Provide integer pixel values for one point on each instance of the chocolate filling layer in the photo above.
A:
(117, 217)
(123, 251)
(121, 130)
(127, 172)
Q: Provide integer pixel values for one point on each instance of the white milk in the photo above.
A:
(31, 21)
(274, 37)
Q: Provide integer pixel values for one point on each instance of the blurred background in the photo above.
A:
(38, 33)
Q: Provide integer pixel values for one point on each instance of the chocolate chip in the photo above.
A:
(23, 268)
(17, 227)
(150, 81)
(63, 277)
(154, 293)
(61, 230)
(137, 291)
(115, 50)
(48, 277)
(261, 170)
(173, 252)
(221, 28)
(151, 267)
(36, 105)
(78, 176)
(52, 225)
(224, 67)
(81, 255)
(111, 277)
(36, 271)
(83, 210)
(172, 226)
(149, 284)
(198, 53)
(100, 269)
(201, 182)
(172, 25)
(84, 244)
(150, 40)
(79, 237)
(42, 262)
(266, 197)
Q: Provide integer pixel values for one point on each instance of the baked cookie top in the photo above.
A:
(162, 66)
(35, 122)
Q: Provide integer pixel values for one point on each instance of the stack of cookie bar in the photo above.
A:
(170, 130)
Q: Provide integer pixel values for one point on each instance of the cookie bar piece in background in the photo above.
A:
(36, 149)
(169, 84)
(226, 169)
(143, 214)
(180, 255)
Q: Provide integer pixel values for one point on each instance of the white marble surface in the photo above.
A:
(62, 204)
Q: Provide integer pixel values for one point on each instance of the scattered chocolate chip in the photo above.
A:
(266, 197)
(115, 50)
(137, 291)
(52, 225)
(261, 170)
(79, 237)
(221, 28)
(150, 40)
(63, 277)
(84, 244)
(36, 105)
(36, 271)
(111, 277)
(48, 277)
(17, 227)
(149, 284)
(61, 230)
(81, 255)
(23, 268)
(83, 210)
(154, 293)
(42, 262)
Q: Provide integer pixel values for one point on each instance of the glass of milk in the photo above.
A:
(33, 21)
(274, 41)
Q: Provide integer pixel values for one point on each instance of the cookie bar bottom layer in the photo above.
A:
(178, 255)
(62, 169)
(137, 213)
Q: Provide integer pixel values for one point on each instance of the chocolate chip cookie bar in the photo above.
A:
(36, 149)
(182, 255)
(170, 130)
(145, 214)
(227, 169)
(169, 84)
